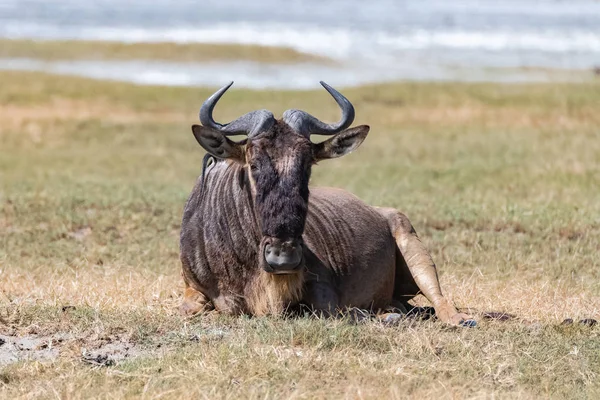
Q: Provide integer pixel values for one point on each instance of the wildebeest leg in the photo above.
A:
(194, 301)
(416, 271)
(321, 298)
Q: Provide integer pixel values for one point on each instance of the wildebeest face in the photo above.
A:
(279, 165)
(278, 156)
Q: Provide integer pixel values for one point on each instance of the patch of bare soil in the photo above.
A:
(105, 352)
(110, 353)
(30, 347)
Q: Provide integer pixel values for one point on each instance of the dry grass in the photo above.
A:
(501, 181)
(185, 52)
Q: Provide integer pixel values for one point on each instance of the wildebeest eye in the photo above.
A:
(253, 167)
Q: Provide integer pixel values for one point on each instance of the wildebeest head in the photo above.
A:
(278, 156)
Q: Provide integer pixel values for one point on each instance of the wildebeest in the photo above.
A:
(255, 240)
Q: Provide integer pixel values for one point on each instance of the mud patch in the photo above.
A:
(30, 348)
(49, 348)
(110, 353)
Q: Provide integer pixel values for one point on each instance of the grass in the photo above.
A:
(54, 50)
(501, 182)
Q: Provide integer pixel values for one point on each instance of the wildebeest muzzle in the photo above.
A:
(282, 256)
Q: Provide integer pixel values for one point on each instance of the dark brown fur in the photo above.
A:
(281, 196)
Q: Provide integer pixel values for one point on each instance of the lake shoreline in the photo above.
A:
(251, 66)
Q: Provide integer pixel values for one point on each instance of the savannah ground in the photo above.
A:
(502, 182)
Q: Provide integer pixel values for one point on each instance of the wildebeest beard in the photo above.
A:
(282, 193)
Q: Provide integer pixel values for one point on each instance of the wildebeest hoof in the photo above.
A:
(391, 318)
(190, 308)
(588, 322)
(468, 323)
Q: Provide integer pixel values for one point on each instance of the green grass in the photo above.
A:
(501, 182)
(185, 52)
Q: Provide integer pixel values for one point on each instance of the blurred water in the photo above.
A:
(373, 41)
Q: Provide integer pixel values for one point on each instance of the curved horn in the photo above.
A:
(208, 106)
(249, 124)
(304, 123)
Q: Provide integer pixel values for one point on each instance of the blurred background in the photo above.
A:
(349, 42)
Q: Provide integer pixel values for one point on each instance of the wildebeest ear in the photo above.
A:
(218, 144)
(341, 143)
